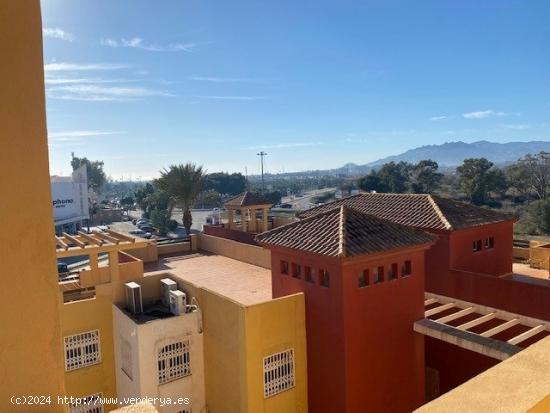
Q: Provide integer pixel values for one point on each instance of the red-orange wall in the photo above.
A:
(363, 354)
(495, 261)
(384, 356)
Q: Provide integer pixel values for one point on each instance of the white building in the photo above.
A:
(159, 354)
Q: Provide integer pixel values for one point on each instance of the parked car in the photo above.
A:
(62, 268)
(148, 228)
(140, 233)
(286, 206)
(144, 224)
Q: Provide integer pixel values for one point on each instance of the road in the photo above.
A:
(303, 202)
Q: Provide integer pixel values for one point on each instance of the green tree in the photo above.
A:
(424, 177)
(224, 183)
(539, 216)
(182, 184)
(127, 203)
(142, 195)
(478, 178)
(535, 173)
(372, 182)
(162, 221)
(94, 170)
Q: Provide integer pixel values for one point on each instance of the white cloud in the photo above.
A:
(139, 43)
(216, 79)
(75, 135)
(482, 114)
(76, 80)
(522, 126)
(93, 92)
(232, 97)
(107, 41)
(436, 118)
(57, 33)
(75, 67)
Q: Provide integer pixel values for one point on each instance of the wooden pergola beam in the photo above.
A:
(527, 334)
(107, 237)
(439, 309)
(61, 243)
(504, 326)
(430, 301)
(477, 321)
(74, 240)
(90, 239)
(118, 235)
(456, 315)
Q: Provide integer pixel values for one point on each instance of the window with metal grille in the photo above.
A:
(126, 358)
(278, 372)
(82, 350)
(174, 361)
(88, 404)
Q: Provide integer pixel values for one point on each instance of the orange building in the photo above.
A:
(363, 282)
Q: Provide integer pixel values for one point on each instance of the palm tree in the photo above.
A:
(183, 184)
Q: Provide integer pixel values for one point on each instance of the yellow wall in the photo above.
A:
(237, 250)
(97, 314)
(30, 337)
(237, 338)
(272, 327)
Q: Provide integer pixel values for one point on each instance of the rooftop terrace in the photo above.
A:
(244, 283)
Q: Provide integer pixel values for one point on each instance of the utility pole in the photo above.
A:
(261, 155)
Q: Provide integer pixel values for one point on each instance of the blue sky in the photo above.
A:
(142, 84)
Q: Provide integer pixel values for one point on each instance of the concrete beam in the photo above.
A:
(467, 340)
(74, 240)
(456, 315)
(90, 239)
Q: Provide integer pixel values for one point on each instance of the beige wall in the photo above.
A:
(30, 339)
(236, 250)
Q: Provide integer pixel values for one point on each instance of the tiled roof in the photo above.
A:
(247, 199)
(344, 232)
(417, 210)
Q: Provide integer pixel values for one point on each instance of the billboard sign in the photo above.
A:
(70, 197)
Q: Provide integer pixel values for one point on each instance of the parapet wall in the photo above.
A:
(236, 250)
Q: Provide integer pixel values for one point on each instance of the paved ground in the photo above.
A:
(239, 281)
(524, 269)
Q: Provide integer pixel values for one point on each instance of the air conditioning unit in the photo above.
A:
(167, 285)
(133, 298)
(178, 302)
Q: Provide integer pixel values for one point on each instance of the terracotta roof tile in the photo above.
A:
(417, 210)
(247, 199)
(344, 232)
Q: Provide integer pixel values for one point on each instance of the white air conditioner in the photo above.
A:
(178, 302)
(133, 298)
(167, 285)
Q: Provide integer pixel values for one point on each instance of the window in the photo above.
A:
(174, 361)
(476, 245)
(88, 404)
(278, 372)
(406, 269)
(185, 411)
(378, 275)
(363, 279)
(308, 274)
(82, 350)
(392, 272)
(489, 243)
(324, 278)
(126, 357)
(284, 267)
(296, 270)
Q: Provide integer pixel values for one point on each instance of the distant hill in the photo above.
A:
(454, 153)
